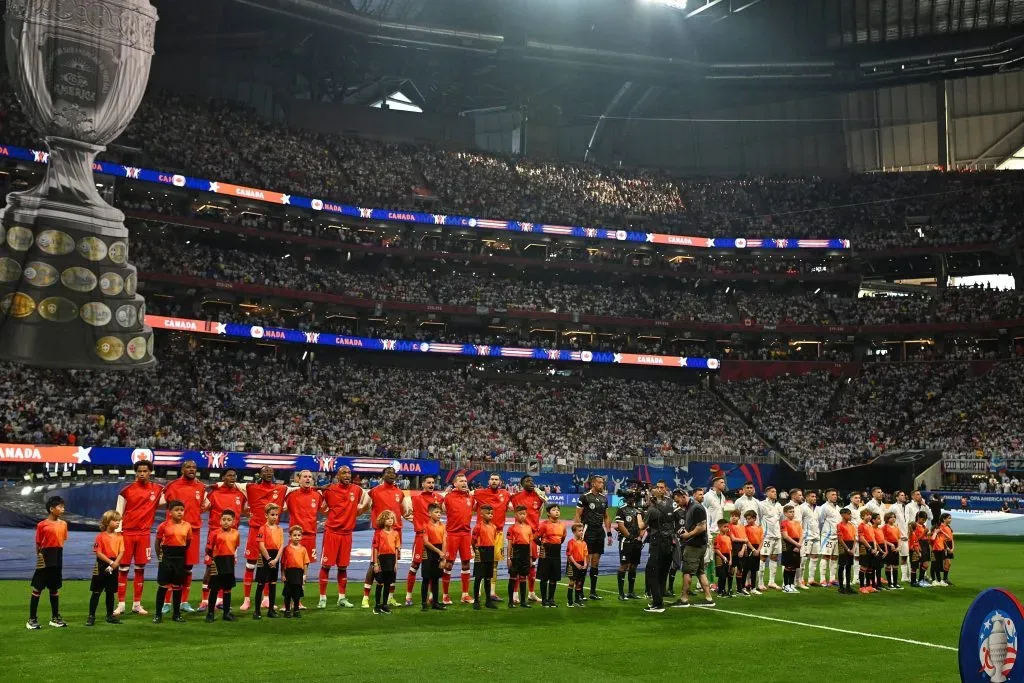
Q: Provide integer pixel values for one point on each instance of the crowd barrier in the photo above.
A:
(281, 199)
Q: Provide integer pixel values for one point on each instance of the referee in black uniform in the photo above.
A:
(592, 512)
(659, 522)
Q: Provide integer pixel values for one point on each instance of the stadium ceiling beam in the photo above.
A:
(736, 10)
(706, 6)
(1003, 138)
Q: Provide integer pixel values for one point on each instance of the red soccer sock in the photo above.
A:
(532, 579)
(446, 581)
(325, 577)
(410, 581)
(247, 578)
(140, 583)
(366, 590)
(187, 587)
(465, 582)
(206, 592)
(122, 585)
(342, 582)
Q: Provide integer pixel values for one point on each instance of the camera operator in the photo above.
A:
(659, 522)
(628, 526)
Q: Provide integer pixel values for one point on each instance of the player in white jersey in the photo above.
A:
(876, 505)
(748, 502)
(856, 505)
(917, 504)
(828, 525)
(899, 508)
(770, 515)
(810, 553)
(714, 503)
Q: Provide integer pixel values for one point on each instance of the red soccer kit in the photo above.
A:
(387, 497)
(342, 509)
(223, 498)
(499, 499)
(140, 504)
(191, 494)
(303, 506)
(458, 506)
(534, 504)
(421, 500)
(259, 495)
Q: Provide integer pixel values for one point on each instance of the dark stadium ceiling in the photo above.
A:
(570, 54)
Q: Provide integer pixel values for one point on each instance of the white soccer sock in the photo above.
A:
(804, 561)
(856, 571)
(833, 572)
(904, 569)
(823, 567)
(773, 568)
(764, 572)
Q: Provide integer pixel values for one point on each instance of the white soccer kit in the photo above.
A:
(744, 503)
(770, 514)
(901, 523)
(808, 518)
(828, 521)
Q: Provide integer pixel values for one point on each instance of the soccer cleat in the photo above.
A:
(167, 608)
(366, 602)
(898, 587)
(119, 610)
(272, 614)
(228, 617)
(343, 602)
(476, 606)
(707, 603)
(58, 622)
(441, 608)
(113, 620)
(863, 590)
(924, 583)
(376, 610)
(654, 610)
(90, 620)
(244, 607)
(425, 608)
(632, 596)
(495, 597)
(386, 609)
(755, 591)
(744, 592)
(178, 619)
(446, 600)
(137, 608)
(210, 618)
(622, 598)
(580, 603)
(32, 625)
(158, 619)
(220, 603)
(408, 601)
(265, 602)
(467, 600)
(595, 596)
(187, 608)
(491, 604)
(533, 597)
(288, 613)
(203, 605)
(301, 606)
(761, 587)
(296, 615)
(805, 587)
(256, 616)
(774, 586)
(680, 604)
(322, 602)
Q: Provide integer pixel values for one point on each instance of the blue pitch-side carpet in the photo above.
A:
(18, 559)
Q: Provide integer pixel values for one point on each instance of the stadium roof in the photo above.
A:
(467, 54)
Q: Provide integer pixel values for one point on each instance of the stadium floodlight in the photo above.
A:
(27, 491)
(674, 4)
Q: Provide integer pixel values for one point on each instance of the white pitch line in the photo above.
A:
(830, 628)
(817, 626)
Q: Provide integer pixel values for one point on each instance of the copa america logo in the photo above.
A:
(987, 651)
(215, 459)
(997, 646)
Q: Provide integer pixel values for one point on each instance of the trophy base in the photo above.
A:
(74, 347)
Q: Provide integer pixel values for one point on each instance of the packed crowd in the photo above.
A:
(222, 398)
(661, 302)
(223, 141)
(825, 422)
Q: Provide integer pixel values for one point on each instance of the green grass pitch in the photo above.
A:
(606, 641)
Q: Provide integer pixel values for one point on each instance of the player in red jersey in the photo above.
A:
(192, 493)
(137, 504)
(421, 502)
(533, 501)
(387, 496)
(258, 496)
(458, 506)
(302, 505)
(343, 502)
(500, 501)
(227, 496)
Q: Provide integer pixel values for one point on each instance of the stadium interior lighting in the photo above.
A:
(26, 491)
(674, 4)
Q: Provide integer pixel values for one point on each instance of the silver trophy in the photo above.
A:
(67, 292)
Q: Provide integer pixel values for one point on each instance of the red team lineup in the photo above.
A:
(281, 542)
